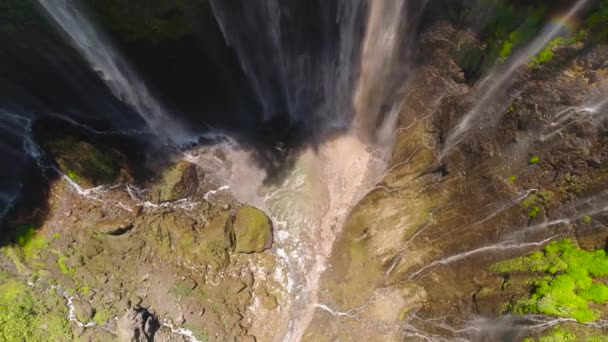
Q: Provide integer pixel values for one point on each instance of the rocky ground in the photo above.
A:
(180, 261)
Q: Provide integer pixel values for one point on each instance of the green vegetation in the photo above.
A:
(557, 335)
(26, 247)
(102, 316)
(512, 179)
(547, 54)
(533, 212)
(534, 160)
(63, 267)
(537, 201)
(28, 316)
(31, 243)
(564, 286)
(524, 33)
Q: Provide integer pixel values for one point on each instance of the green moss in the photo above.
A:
(557, 335)
(587, 219)
(533, 212)
(534, 160)
(512, 179)
(63, 267)
(85, 290)
(85, 163)
(102, 316)
(546, 55)
(31, 243)
(26, 315)
(565, 285)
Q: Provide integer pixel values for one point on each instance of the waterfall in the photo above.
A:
(380, 78)
(96, 48)
(300, 57)
(325, 65)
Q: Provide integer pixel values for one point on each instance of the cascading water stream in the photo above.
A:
(17, 148)
(113, 69)
(300, 57)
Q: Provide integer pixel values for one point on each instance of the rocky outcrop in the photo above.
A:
(253, 230)
(115, 253)
(87, 164)
(137, 326)
(177, 182)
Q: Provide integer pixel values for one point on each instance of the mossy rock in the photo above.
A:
(87, 164)
(253, 230)
(177, 182)
(218, 239)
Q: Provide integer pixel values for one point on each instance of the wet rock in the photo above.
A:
(179, 182)
(253, 230)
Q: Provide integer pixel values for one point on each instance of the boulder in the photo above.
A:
(178, 182)
(137, 326)
(253, 230)
(86, 163)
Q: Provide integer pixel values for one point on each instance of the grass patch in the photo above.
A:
(564, 286)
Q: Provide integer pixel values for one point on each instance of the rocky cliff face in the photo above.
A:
(413, 261)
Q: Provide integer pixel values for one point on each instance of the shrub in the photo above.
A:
(28, 316)
(565, 285)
